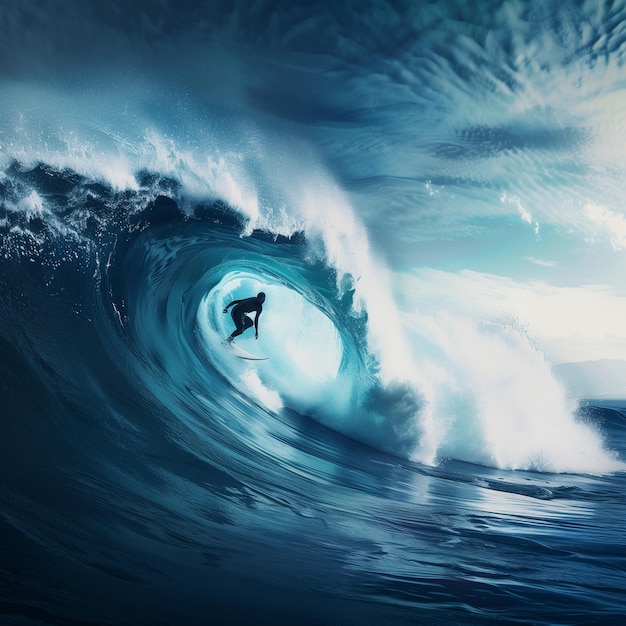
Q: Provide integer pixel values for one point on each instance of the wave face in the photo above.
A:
(406, 446)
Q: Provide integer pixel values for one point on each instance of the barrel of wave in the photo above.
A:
(303, 347)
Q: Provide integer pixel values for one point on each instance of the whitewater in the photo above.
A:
(408, 453)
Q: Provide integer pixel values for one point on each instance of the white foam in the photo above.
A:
(30, 206)
(499, 402)
(254, 387)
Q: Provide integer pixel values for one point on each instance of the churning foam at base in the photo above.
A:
(494, 401)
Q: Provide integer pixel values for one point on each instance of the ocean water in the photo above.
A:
(431, 196)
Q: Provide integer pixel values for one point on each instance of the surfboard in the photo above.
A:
(242, 354)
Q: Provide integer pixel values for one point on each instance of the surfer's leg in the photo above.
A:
(238, 330)
(242, 322)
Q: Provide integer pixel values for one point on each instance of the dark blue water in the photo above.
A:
(405, 455)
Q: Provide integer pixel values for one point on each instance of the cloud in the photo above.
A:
(540, 262)
(523, 212)
(610, 223)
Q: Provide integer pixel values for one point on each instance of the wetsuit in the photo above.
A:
(240, 317)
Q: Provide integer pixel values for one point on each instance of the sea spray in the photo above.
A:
(496, 401)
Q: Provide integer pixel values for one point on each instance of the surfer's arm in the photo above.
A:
(256, 325)
(231, 304)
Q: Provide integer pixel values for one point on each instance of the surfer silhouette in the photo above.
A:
(240, 314)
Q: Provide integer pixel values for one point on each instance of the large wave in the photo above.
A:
(176, 230)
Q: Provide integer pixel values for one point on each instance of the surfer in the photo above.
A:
(240, 314)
